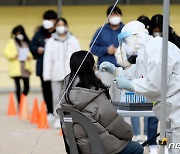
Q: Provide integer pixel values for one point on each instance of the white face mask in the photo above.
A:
(132, 45)
(61, 29)
(155, 34)
(115, 20)
(130, 51)
(47, 24)
(20, 37)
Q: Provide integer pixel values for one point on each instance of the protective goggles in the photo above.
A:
(122, 36)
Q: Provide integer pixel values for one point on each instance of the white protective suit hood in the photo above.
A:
(132, 37)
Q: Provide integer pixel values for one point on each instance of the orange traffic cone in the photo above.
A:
(11, 106)
(24, 113)
(21, 104)
(43, 117)
(60, 132)
(35, 113)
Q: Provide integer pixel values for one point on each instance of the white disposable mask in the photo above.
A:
(20, 37)
(47, 24)
(115, 20)
(133, 45)
(155, 34)
(130, 51)
(61, 29)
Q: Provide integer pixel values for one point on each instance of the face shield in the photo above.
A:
(132, 38)
(129, 43)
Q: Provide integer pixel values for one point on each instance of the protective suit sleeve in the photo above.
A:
(150, 85)
(129, 73)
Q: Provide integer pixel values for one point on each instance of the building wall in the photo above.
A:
(81, 2)
(82, 21)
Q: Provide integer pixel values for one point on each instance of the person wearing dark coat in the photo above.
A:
(156, 28)
(37, 49)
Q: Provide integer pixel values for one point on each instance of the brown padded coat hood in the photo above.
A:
(114, 132)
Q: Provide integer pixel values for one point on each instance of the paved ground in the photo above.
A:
(19, 137)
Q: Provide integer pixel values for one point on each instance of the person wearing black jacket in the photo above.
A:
(37, 49)
(156, 28)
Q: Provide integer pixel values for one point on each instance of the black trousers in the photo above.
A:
(47, 94)
(18, 87)
(152, 129)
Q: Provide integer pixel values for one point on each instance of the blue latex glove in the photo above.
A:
(123, 83)
(108, 67)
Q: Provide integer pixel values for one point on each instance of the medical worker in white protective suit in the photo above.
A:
(146, 77)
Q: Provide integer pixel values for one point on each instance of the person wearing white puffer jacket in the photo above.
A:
(58, 51)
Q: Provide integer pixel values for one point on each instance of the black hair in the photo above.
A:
(156, 21)
(19, 28)
(49, 14)
(86, 74)
(62, 19)
(145, 20)
(116, 10)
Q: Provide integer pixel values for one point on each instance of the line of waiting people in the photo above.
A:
(54, 37)
(51, 46)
